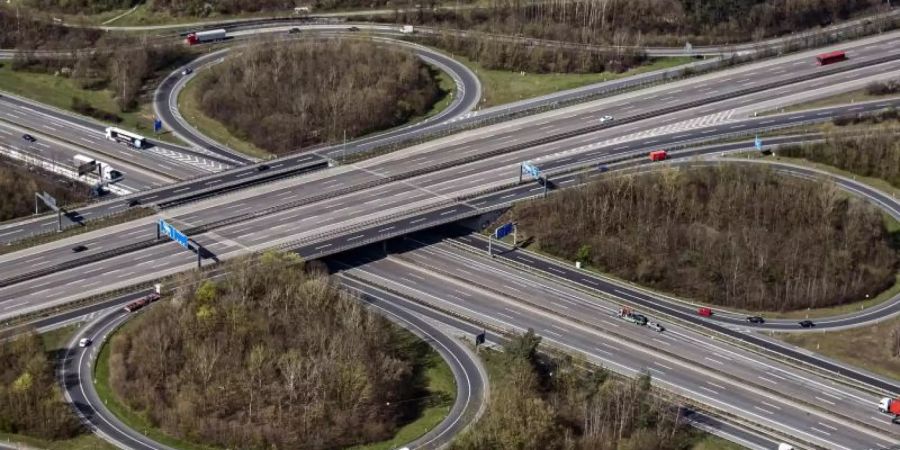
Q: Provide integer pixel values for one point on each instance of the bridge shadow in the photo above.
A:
(394, 246)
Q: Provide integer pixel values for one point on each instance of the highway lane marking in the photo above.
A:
(467, 294)
(715, 392)
(417, 220)
(554, 269)
(386, 229)
(717, 385)
(181, 189)
(770, 405)
(763, 410)
(828, 426)
(823, 400)
(150, 197)
(767, 379)
(552, 333)
(662, 365)
(714, 360)
(661, 341)
(831, 395)
(13, 115)
(820, 431)
(16, 305)
(506, 315)
(353, 238)
(776, 376)
(322, 246)
(13, 232)
(605, 352)
(212, 182)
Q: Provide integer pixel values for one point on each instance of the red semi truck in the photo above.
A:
(141, 302)
(659, 155)
(890, 406)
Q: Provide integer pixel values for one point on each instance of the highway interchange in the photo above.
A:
(298, 205)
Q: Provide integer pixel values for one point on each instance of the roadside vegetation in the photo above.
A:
(19, 183)
(30, 401)
(271, 356)
(538, 402)
(873, 347)
(741, 237)
(286, 96)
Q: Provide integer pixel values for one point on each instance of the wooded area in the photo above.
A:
(285, 96)
(743, 237)
(18, 185)
(544, 404)
(273, 356)
(874, 154)
(644, 22)
(30, 400)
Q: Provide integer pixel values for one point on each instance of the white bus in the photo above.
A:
(125, 137)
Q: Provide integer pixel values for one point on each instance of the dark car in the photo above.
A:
(28, 137)
(134, 202)
(640, 319)
(807, 323)
(756, 319)
(187, 71)
(294, 30)
(353, 29)
(262, 168)
(79, 248)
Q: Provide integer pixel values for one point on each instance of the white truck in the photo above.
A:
(107, 173)
(407, 29)
(201, 37)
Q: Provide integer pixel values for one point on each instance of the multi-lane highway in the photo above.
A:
(737, 382)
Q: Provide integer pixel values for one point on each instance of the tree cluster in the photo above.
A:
(18, 184)
(639, 22)
(19, 30)
(285, 96)
(273, 356)
(735, 236)
(870, 155)
(543, 404)
(30, 401)
(887, 87)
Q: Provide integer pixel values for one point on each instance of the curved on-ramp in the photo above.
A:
(76, 373)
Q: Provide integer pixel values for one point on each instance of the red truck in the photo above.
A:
(141, 302)
(830, 57)
(658, 155)
(704, 311)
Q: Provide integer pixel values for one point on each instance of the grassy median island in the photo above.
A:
(272, 356)
(33, 411)
(283, 97)
(506, 86)
(740, 237)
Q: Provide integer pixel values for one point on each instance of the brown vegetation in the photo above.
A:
(19, 30)
(18, 185)
(874, 154)
(545, 404)
(272, 356)
(30, 401)
(735, 236)
(642, 22)
(282, 97)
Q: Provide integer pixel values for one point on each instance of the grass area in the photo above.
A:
(712, 442)
(439, 381)
(59, 338)
(447, 87)
(868, 347)
(83, 442)
(58, 91)
(503, 86)
(189, 105)
(859, 95)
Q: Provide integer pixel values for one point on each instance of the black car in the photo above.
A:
(353, 29)
(807, 323)
(134, 202)
(79, 248)
(262, 167)
(187, 71)
(756, 319)
(294, 31)
(29, 138)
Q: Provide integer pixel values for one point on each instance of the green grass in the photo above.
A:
(58, 91)
(503, 86)
(58, 339)
(712, 442)
(868, 347)
(83, 442)
(447, 87)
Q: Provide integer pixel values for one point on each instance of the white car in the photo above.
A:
(605, 119)
(655, 326)
(84, 342)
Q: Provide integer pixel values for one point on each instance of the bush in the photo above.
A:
(870, 155)
(883, 87)
(84, 107)
(739, 237)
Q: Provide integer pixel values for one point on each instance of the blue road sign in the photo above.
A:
(173, 234)
(758, 143)
(503, 230)
(157, 125)
(531, 170)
